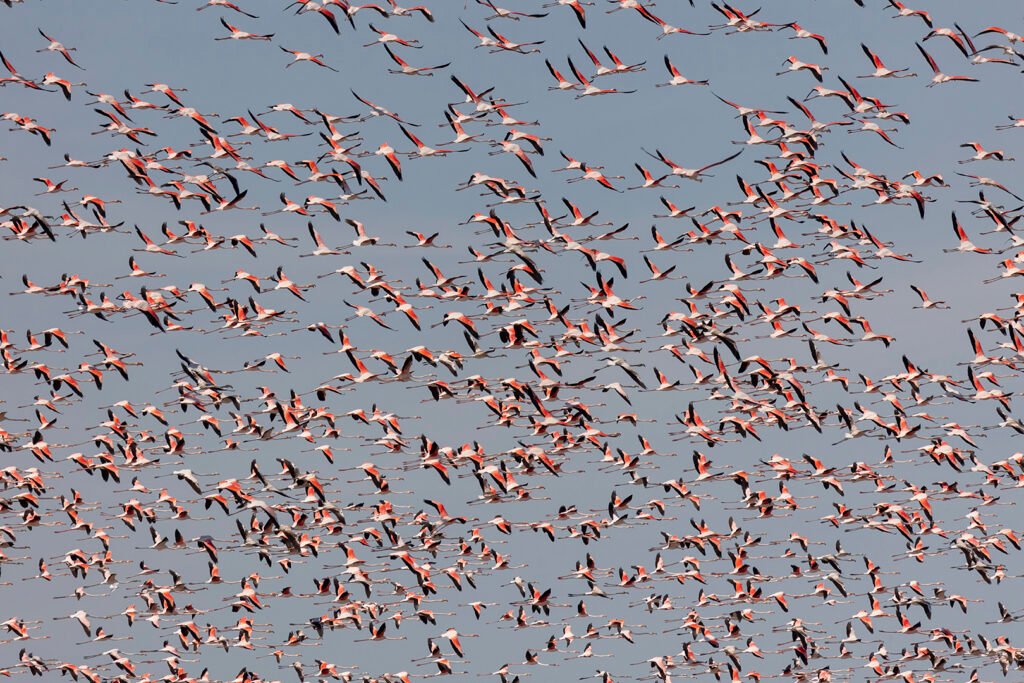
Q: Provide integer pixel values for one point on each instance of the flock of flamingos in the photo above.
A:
(704, 380)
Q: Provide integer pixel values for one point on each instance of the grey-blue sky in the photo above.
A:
(125, 45)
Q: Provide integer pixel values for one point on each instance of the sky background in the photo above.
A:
(125, 45)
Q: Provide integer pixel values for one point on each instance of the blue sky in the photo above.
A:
(126, 45)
